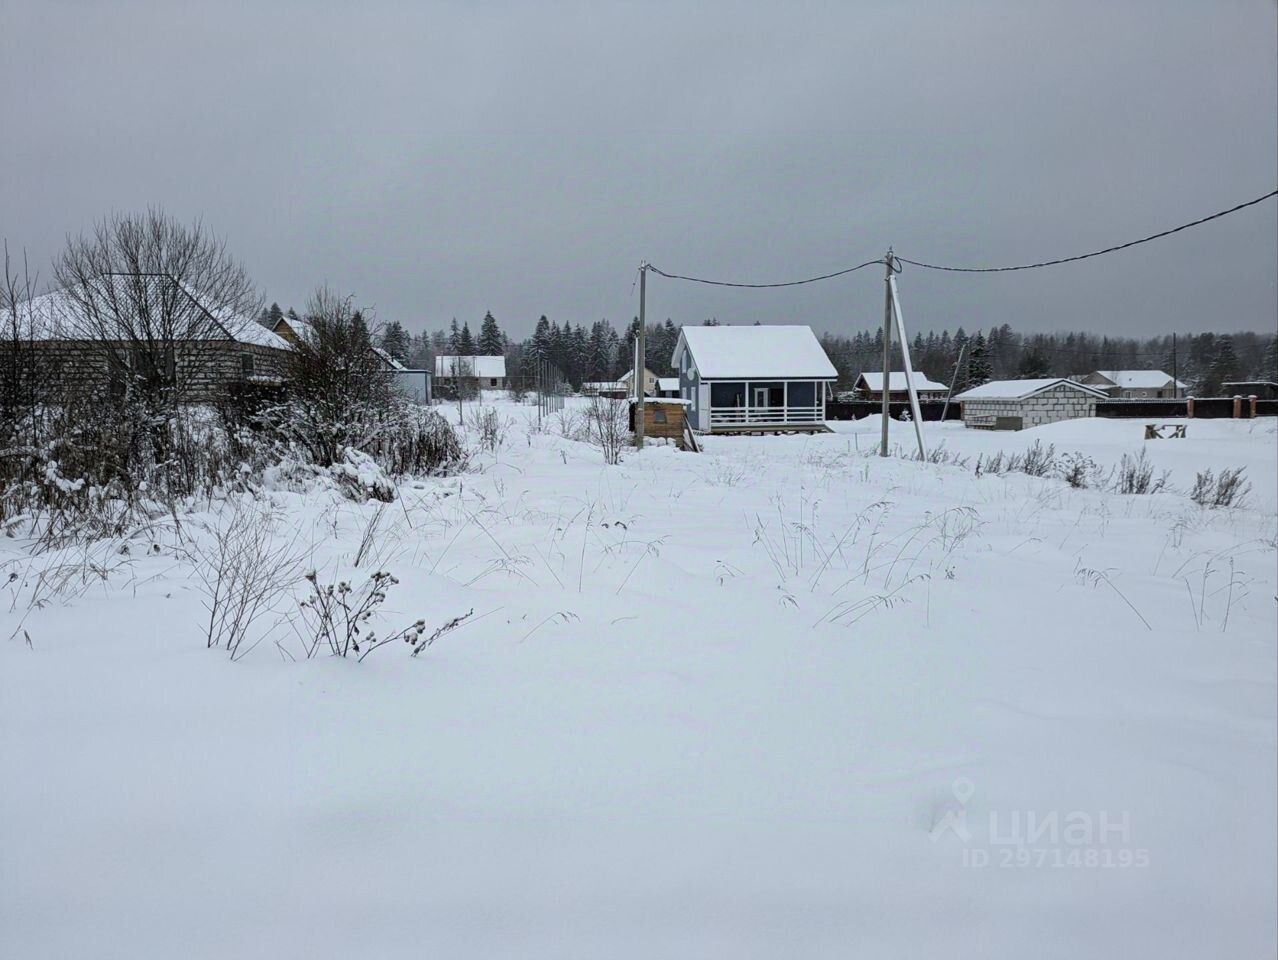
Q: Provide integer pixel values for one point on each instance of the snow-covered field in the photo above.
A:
(783, 698)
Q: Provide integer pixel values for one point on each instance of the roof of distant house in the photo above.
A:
(475, 366)
(896, 381)
(667, 383)
(59, 315)
(390, 361)
(762, 352)
(1023, 389)
(1138, 379)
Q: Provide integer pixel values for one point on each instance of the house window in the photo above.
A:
(247, 365)
(492, 381)
(659, 415)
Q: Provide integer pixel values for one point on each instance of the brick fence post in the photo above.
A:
(1253, 398)
(1237, 406)
(1189, 408)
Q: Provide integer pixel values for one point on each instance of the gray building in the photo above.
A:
(1018, 404)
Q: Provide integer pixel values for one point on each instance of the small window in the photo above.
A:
(248, 365)
(492, 381)
(659, 415)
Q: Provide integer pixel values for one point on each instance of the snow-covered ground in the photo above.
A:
(783, 698)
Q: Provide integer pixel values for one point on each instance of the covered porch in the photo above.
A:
(766, 406)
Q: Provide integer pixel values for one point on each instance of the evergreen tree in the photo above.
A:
(396, 341)
(1224, 368)
(466, 342)
(1269, 364)
(1033, 366)
(979, 369)
(490, 338)
(454, 339)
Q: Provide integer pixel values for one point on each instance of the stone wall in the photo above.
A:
(1059, 403)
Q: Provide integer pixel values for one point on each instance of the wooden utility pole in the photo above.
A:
(953, 380)
(641, 353)
(887, 351)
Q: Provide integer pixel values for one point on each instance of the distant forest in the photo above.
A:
(599, 352)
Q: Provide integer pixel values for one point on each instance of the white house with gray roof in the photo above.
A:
(1136, 384)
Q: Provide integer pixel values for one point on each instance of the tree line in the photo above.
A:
(601, 352)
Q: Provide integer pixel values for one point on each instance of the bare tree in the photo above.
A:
(19, 374)
(147, 291)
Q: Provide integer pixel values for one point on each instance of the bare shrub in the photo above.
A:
(1226, 490)
(492, 429)
(245, 572)
(608, 426)
(1136, 475)
(1039, 461)
(339, 616)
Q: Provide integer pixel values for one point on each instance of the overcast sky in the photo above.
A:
(444, 159)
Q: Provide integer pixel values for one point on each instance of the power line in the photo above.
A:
(756, 286)
(1095, 253)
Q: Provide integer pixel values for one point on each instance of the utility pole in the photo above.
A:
(887, 351)
(958, 364)
(641, 353)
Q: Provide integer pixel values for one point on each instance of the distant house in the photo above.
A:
(649, 382)
(759, 379)
(203, 349)
(488, 373)
(869, 386)
(1017, 404)
(613, 389)
(1260, 389)
(1136, 384)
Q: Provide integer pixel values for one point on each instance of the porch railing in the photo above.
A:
(765, 416)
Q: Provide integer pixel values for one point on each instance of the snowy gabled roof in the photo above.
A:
(446, 366)
(58, 315)
(1138, 379)
(763, 353)
(667, 383)
(896, 381)
(1023, 389)
(388, 359)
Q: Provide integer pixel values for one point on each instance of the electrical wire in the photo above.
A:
(1095, 253)
(757, 286)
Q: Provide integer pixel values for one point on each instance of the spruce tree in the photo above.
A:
(490, 339)
(979, 369)
(466, 342)
(454, 338)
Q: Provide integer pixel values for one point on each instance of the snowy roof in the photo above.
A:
(629, 375)
(762, 352)
(667, 383)
(390, 361)
(491, 367)
(1137, 379)
(896, 381)
(1021, 389)
(59, 315)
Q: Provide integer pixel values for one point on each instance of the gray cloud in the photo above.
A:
(441, 160)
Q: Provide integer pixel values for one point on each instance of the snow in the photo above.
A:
(490, 367)
(1021, 389)
(782, 698)
(668, 384)
(762, 352)
(896, 381)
